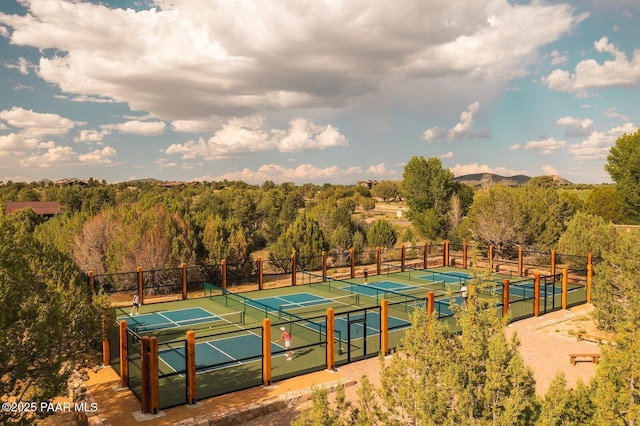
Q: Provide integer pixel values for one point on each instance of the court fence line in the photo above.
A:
(359, 332)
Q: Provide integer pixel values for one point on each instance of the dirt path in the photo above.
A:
(546, 343)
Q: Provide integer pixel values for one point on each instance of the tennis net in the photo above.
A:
(169, 331)
(313, 308)
(427, 278)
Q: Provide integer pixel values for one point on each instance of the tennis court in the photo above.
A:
(446, 277)
(219, 353)
(178, 318)
(299, 303)
(526, 290)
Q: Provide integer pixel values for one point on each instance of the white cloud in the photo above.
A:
(557, 58)
(90, 135)
(576, 127)
(473, 168)
(613, 113)
(447, 155)
(549, 170)
(34, 124)
(56, 155)
(22, 65)
(462, 130)
(597, 145)
(546, 146)
(252, 134)
(194, 126)
(589, 74)
(305, 173)
(137, 127)
(194, 59)
(99, 156)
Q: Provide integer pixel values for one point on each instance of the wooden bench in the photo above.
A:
(590, 337)
(595, 358)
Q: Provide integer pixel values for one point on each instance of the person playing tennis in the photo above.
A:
(286, 337)
(136, 305)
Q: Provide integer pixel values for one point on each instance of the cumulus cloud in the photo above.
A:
(305, 173)
(613, 113)
(447, 155)
(597, 145)
(462, 130)
(99, 156)
(137, 127)
(549, 170)
(56, 155)
(545, 146)
(576, 127)
(192, 59)
(252, 134)
(589, 74)
(34, 124)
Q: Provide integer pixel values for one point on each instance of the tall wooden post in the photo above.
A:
(402, 258)
(140, 285)
(444, 253)
(124, 355)
(384, 327)
(146, 397)
(352, 262)
(223, 266)
(425, 255)
(331, 341)
(260, 274)
(431, 304)
(191, 367)
(106, 348)
(448, 255)
(565, 281)
(294, 269)
(520, 261)
(553, 262)
(505, 297)
(536, 295)
(589, 282)
(324, 265)
(154, 378)
(378, 260)
(184, 280)
(266, 351)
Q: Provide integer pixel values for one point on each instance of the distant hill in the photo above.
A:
(477, 179)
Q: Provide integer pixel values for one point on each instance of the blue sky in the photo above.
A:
(314, 91)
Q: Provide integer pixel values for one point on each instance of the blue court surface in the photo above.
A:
(447, 277)
(379, 288)
(169, 319)
(221, 353)
(341, 325)
(289, 301)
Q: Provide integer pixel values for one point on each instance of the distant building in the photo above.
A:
(368, 183)
(42, 208)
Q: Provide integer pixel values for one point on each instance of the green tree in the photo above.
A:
(427, 188)
(585, 234)
(442, 377)
(303, 237)
(388, 190)
(606, 202)
(225, 239)
(564, 406)
(623, 164)
(49, 326)
(615, 286)
(382, 234)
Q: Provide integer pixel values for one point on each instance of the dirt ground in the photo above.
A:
(546, 343)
